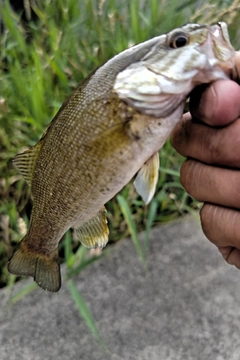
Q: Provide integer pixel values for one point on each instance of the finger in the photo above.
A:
(211, 184)
(222, 227)
(208, 144)
(231, 255)
(217, 104)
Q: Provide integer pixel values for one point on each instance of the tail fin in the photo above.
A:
(44, 269)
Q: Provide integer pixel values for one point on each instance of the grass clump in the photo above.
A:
(42, 61)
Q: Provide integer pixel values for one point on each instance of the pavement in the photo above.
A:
(185, 307)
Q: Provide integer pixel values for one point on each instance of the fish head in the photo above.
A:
(177, 62)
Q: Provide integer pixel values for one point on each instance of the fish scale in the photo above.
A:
(109, 130)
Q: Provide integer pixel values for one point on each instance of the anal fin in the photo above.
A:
(147, 177)
(94, 233)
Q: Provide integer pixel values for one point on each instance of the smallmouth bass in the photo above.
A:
(108, 130)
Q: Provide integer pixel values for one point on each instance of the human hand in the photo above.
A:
(210, 139)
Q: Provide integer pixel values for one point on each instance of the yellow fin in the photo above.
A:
(94, 233)
(25, 162)
(146, 180)
(44, 269)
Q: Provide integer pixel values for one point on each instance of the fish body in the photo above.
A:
(108, 130)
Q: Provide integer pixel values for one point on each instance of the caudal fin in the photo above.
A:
(44, 269)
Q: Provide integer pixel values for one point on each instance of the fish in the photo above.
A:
(108, 132)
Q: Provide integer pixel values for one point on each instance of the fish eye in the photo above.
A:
(178, 40)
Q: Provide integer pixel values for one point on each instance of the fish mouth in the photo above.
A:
(219, 49)
(156, 83)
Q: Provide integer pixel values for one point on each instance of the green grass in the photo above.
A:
(40, 64)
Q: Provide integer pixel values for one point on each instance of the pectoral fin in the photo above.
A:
(25, 162)
(94, 233)
(146, 180)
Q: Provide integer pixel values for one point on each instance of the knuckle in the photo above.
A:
(206, 220)
(181, 134)
(186, 175)
(192, 174)
(223, 145)
(215, 148)
(221, 225)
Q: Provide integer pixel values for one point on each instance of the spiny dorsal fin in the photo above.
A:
(146, 180)
(25, 162)
(94, 233)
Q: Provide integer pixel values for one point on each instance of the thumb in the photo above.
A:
(217, 104)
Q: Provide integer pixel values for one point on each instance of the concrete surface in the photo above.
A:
(187, 306)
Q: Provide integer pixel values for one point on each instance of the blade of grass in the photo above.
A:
(85, 262)
(22, 293)
(151, 218)
(85, 312)
(170, 172)
(69, 256)
(131, 226)
(135, 25)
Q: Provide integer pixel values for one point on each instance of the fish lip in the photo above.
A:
(221, 46)
(218, 50)
(219, 36)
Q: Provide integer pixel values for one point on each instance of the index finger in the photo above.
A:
(208, 144)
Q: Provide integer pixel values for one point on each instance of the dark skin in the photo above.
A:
(210, 139)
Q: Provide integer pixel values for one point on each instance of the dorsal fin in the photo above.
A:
(25, 162)
(94, 233)
(146, 180)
